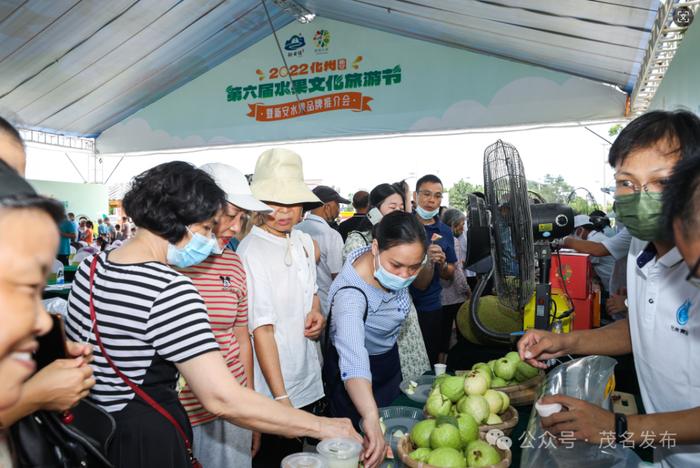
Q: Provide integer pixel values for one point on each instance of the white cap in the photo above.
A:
(234, 183)
(581, 220)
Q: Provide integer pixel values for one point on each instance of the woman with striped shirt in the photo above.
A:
(368, 303)
(151, 321)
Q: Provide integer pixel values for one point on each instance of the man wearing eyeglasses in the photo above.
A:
(441, 260)
(663, 326)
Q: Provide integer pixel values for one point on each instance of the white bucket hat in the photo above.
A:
(231, 181)
(279, 178)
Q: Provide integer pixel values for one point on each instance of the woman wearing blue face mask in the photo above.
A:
(132, 306)
(369, 302)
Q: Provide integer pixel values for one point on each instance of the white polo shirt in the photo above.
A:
(664, 315)
(330, 244)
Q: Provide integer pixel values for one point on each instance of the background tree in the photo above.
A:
(459, 191)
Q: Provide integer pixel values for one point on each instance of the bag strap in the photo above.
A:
(135, 388)
(330, 312)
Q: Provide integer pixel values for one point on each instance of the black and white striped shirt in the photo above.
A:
(148, 315)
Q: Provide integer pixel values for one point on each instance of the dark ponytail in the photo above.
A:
(398, 228)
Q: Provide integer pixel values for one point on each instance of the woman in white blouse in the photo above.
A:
(284, 310)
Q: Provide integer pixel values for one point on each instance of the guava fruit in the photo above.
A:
(479, 364)
(506, 400)
(495, 401)
(505, 369)
(438, 380)
(452, 388)
(492, 364)
(513, 356)
(498, 382)
(493, 419)
(447, 457)
(420, 434)
(477, 407)
(486, 372)
(468, 428)
(480, 453)
(475, 384)
(524, 371)
(420, 454)
(438, 405)
(445, 435)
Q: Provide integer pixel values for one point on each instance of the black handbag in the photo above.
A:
(47, 439)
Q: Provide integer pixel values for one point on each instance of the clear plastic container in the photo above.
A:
(303, 460)
(340, 453)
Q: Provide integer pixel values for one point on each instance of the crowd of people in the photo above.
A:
(235, 323)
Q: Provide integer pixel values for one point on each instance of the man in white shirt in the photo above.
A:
(329, 241)
(663, 330)
(603, 266)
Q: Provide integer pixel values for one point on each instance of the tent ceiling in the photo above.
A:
(601, 40)
(82, 66)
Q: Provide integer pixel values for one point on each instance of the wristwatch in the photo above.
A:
(620, 427)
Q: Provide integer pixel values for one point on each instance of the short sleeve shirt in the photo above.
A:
(664, 316)
(429, 299)
(221, 281)
(330, 244)
(66, 227)
(150, 318)
(281, 279)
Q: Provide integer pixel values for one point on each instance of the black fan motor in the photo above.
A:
(551, 221)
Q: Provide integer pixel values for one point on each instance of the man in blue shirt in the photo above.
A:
(441, 260)
(68, 233)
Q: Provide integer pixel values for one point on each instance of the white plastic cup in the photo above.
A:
(439, 369)
(340, 453)
(303, 460)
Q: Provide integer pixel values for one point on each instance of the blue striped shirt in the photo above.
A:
(356, 341)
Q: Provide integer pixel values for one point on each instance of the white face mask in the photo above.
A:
(427, 215)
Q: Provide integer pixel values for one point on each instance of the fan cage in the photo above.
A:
(512, 239)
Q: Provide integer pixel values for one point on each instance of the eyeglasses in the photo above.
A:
(626, 186)
(429, 194)
(692, 277)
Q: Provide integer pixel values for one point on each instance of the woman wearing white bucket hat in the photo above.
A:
(284, 310)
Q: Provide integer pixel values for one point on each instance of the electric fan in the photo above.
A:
(510, 239)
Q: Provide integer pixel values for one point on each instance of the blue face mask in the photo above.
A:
(391, 281)
(196, 251)
(427, 214)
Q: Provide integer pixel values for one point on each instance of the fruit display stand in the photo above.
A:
(405, 447)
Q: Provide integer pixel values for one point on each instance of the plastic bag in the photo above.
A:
(591, 379)
(56, 305)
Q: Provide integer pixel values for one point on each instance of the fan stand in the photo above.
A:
(543, 289)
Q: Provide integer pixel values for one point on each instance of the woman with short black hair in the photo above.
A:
(153, 325)
(368, 304)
